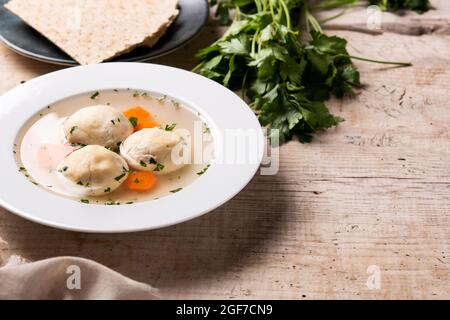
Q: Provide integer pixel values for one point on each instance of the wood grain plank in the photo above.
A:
(373, 191)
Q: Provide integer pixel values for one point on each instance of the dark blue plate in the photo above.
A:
(26, 41)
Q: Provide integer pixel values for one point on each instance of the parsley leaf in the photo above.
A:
(118, 178)
(134, 121)
(202, 172)
(95, 95)
(170, 127)
(143, 164)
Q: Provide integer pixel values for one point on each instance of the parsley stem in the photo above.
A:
(243, 91)
(238, 12)
(399, 63)
(303, 20)
(333, 4)
(311, 20)
(287, 14)
(258, 6)
(254, 42)
(198, 67)
(272, 12)
(337, 15)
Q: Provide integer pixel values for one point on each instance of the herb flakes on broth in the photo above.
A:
(112, 147)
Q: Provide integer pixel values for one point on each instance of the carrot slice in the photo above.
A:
(137, 112)
(140, 118)
(141, 181)
(149, 123)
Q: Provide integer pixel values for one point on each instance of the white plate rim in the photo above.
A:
(222, 109)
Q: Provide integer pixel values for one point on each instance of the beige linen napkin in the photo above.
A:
(68, 278)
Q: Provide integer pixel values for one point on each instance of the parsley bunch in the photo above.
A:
(286, 79)
(419, 6)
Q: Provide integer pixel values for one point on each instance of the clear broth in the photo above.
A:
(44, 131)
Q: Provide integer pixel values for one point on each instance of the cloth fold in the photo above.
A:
(69, 278)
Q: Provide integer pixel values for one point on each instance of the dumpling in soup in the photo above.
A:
(153, 150)
(97, 125)
(93, 171)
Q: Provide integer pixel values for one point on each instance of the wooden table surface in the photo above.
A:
(375, 191)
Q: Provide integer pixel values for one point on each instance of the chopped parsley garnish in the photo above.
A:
(72, 130)
(143, 164)
(170, 127)
(120, 177)
(144, 94)
(204, 170)
(25, 173)
(84, 200)
(107, 190)
(95, 95)
(131, 202)
(115, 90)
(206, 130)
(176, 190)
(136, 94)
(159, 167)
(136, 181)
(80, 183)
(153, 161)
(112, 203)
(77, 145)
(133, 121)
(162, 98)
(113, 122)
(176, 104)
